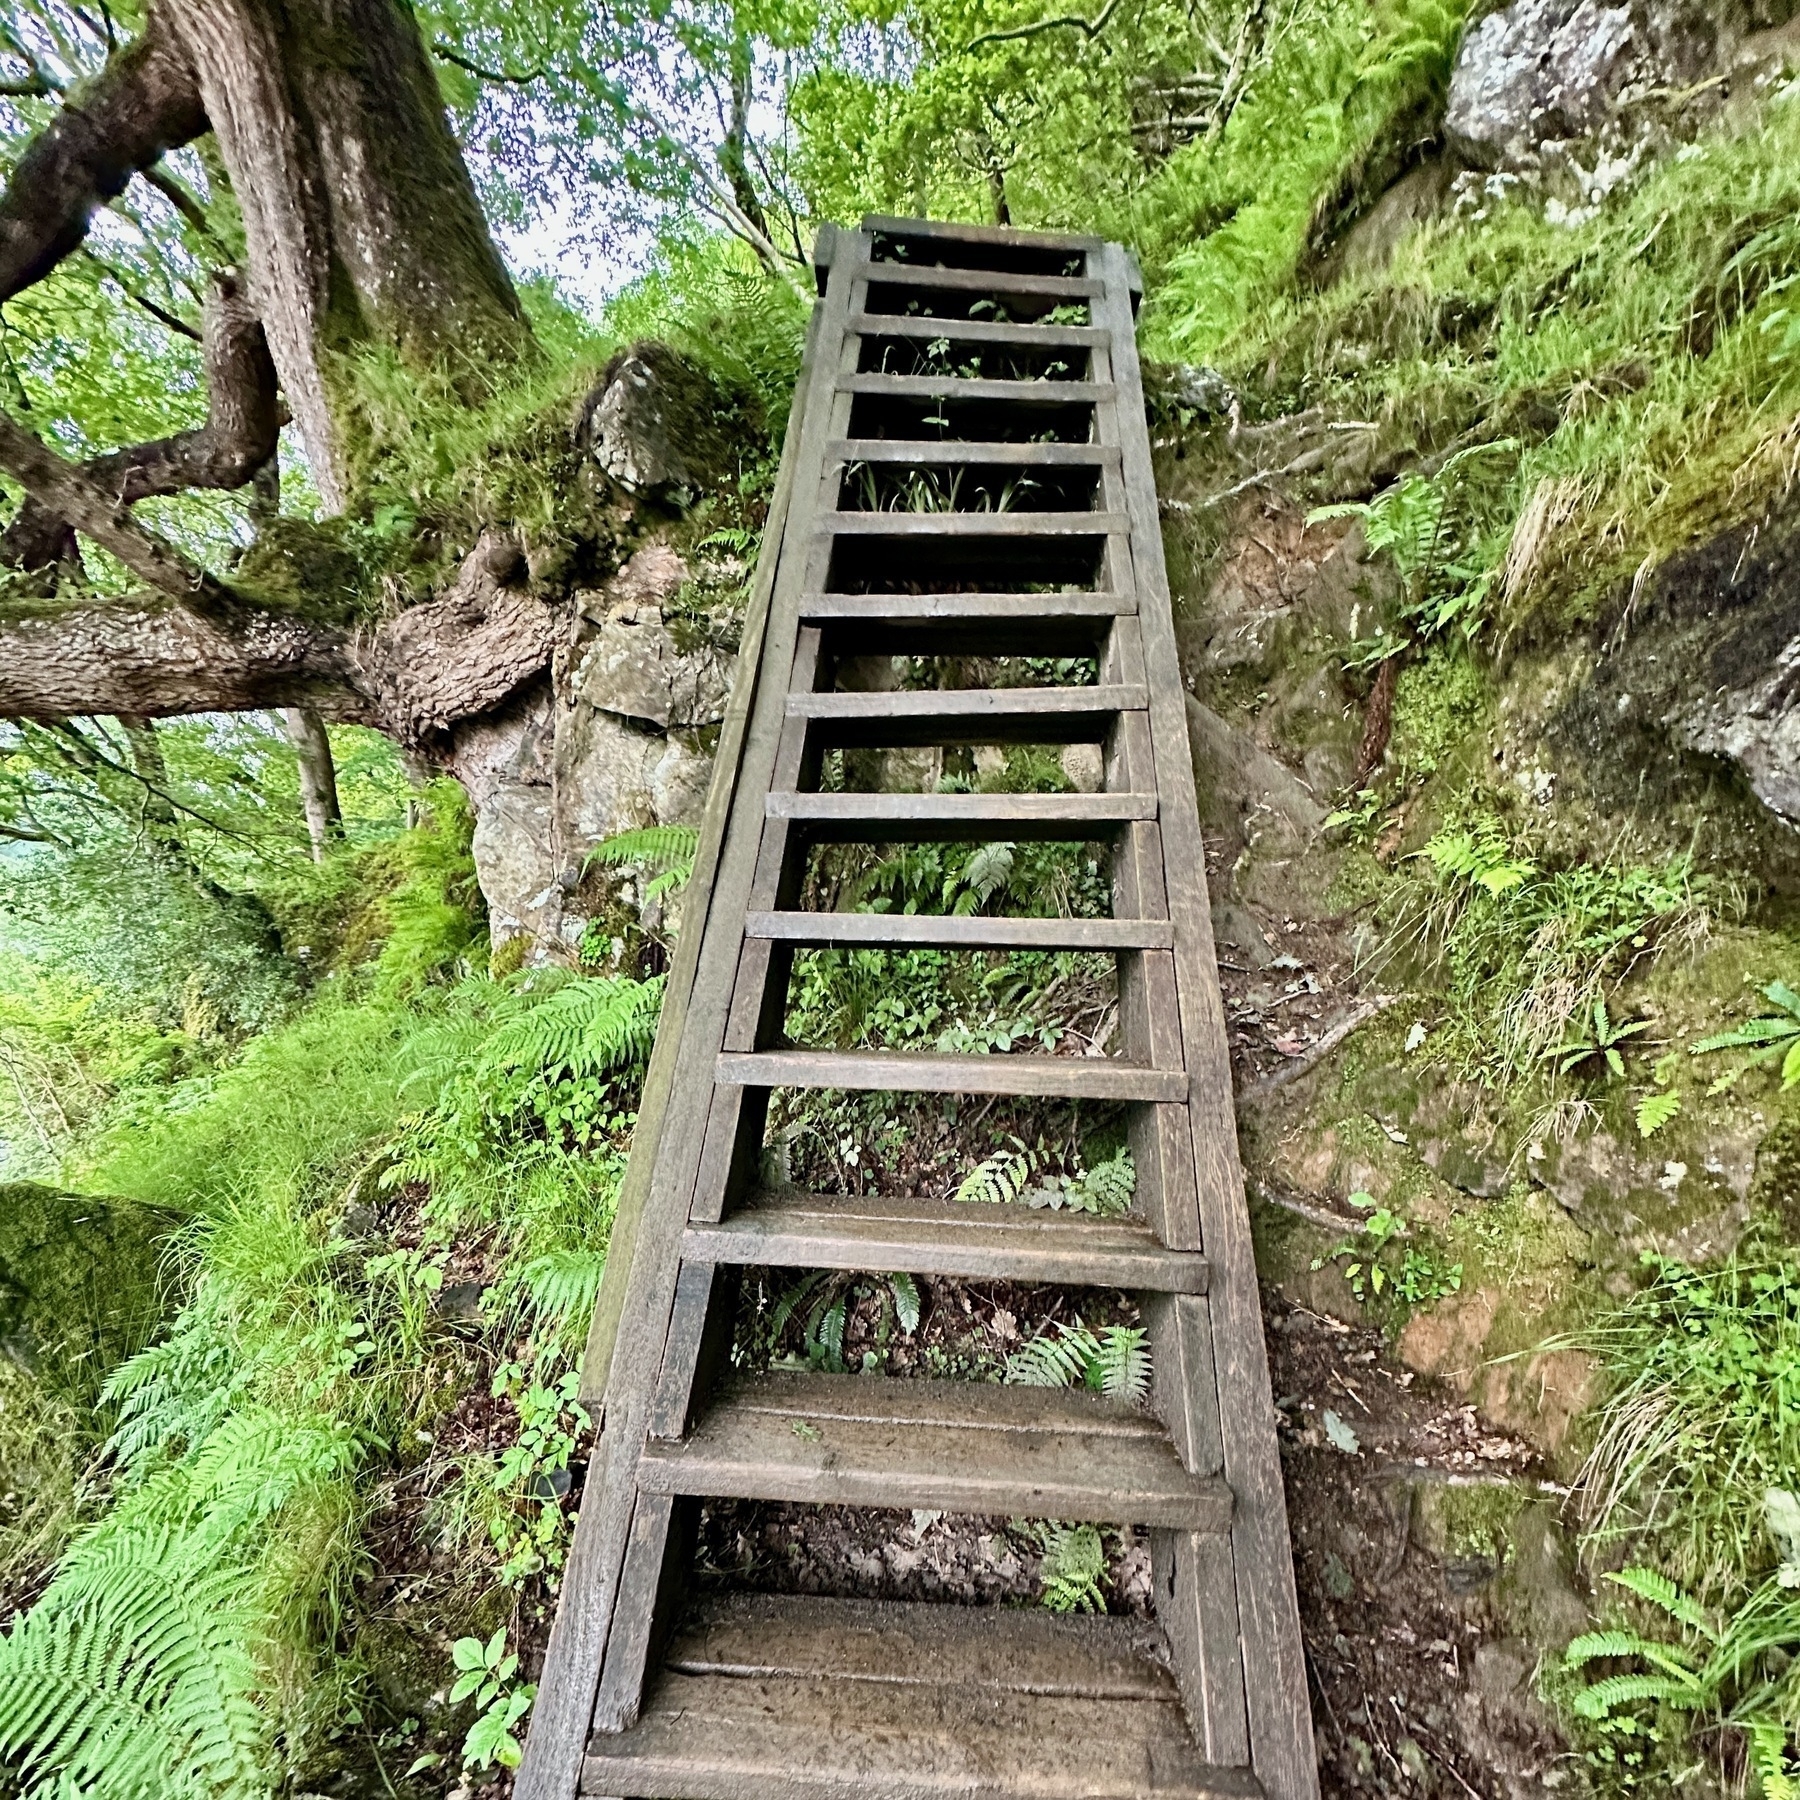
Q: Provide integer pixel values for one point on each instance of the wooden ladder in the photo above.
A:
(651, 1691)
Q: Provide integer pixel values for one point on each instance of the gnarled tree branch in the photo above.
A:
(144, 102)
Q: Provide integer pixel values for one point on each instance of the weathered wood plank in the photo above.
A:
(944, 1237)
(984, 281)
(711, 1737)
(954, 387)
(1011, 715)
(1275, 1682)
(1048, 1077)
(1031, 1652)
(976, 1449)
(972, 524)
(998, 237)
(977, 331)
(997, 453)
(958, 931)
(898, 818)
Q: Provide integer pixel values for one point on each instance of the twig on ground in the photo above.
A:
(1308, 1060)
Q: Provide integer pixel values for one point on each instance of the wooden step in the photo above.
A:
(954, 387)
(956, 1446)
(789, 1697)
(972, 524)
(982, 281)
(956, 931)
(792, 1230)
(1001, 239)
(930, 1072)
(1019, 715)
(977, 331)
(969, 450)
(949, 818)
(966, 624)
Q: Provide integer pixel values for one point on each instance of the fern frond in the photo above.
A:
(1074, 1563)
(564, 1284)
(590, 1027)
(906, 1301)
(1656, 1588)
(1593, 1644)
(1120, 1364)
(1603, 1697)
(665, 851)
(1000, 1178)
(1054, 1361)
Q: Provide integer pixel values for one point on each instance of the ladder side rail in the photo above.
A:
(1281, 1745)
(1192, 1572)
(558, 1738)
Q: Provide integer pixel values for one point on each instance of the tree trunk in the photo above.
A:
(568, 712)
(360, 217)
(318, 779)
(359, 213)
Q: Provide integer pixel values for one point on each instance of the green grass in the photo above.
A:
(1642, 361)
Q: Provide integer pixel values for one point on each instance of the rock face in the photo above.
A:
(79, 1286)
(1708, 659)
(658, 426)
(1539, 75)
(1536, 70)
(625, 743)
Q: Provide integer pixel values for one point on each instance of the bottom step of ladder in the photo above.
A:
(773, 1697)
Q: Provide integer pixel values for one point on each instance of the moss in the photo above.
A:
(1440, 700)
(79, 1284)
(1472, 1522)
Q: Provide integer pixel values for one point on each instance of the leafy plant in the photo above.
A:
(1383, 1261)
(1073, 1568)
(664, 852)
(825, 1296)
(1015, 1172)
(1114, 1360)
(486, 1673)
(1771, 1035)
(1599, 1037)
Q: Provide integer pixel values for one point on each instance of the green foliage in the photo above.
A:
(137, 1671)
(1527, 954)
(1771, 1035)
(1701, 1420)
(1114, 1361)
(434, 911)
(664, 852)
(1073, 1568)
(1597, 1036)
(487, 1674)
(1019, 1172)
(1385, 1260)
(823, 1298)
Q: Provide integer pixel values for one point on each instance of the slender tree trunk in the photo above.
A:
(318, 779)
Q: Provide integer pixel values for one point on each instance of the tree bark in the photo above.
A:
(144, 102)
(360, 217)
(318, 779)
(417, 677)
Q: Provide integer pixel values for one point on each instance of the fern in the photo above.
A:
(665, 852)
(1073, 1567)
(1481, 857)
(1655, 1587)
(564, 1284)
(1001, 1177)
(1114, 1361)
(134, 1677)
(589, 1027)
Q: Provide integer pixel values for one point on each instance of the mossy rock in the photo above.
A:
(80, 1288)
